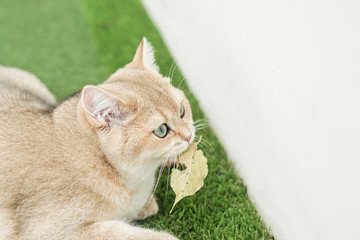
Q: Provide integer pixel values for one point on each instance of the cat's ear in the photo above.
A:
(144, 56)
(101, 107)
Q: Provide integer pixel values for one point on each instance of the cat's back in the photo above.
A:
(24, 135)
(25, 106)
(25, 125)
(21, 90)
(32, 177)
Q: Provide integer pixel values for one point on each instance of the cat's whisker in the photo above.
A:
(172, 65)
(167, 183)
(156, 185)
(187, 93)
(201, 120)
(201, 125)
(173, 71)
(170, 71)
(196, 138)
(151, 170)
(168, 177)
(205, 144)
(202, 128)
(181, 82)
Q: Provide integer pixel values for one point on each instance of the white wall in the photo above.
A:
(280, 82)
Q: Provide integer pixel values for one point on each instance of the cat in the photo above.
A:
(85, 168)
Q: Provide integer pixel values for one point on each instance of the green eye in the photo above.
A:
(161, 131)
(182, 111)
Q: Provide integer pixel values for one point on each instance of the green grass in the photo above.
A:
(72, 43)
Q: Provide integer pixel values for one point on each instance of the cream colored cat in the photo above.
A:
(84, 168)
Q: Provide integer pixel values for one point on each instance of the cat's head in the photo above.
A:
(137, 114)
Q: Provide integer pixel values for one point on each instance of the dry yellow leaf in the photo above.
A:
(190, 180)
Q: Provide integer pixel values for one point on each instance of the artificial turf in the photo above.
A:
(68, 44)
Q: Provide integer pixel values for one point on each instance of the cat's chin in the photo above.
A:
(172, 160)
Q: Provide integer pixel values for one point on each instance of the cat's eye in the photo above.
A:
(182, 111)
(161, 131)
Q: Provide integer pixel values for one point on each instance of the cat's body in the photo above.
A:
(77, 170)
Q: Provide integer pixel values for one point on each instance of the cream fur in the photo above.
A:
(85, 168)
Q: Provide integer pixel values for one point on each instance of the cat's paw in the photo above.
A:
(151, 209)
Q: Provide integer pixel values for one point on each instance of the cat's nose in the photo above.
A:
(188, 138)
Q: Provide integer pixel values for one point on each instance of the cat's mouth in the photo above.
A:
(178, 149)
(173, 161)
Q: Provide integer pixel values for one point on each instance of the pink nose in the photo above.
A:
(188, 138)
